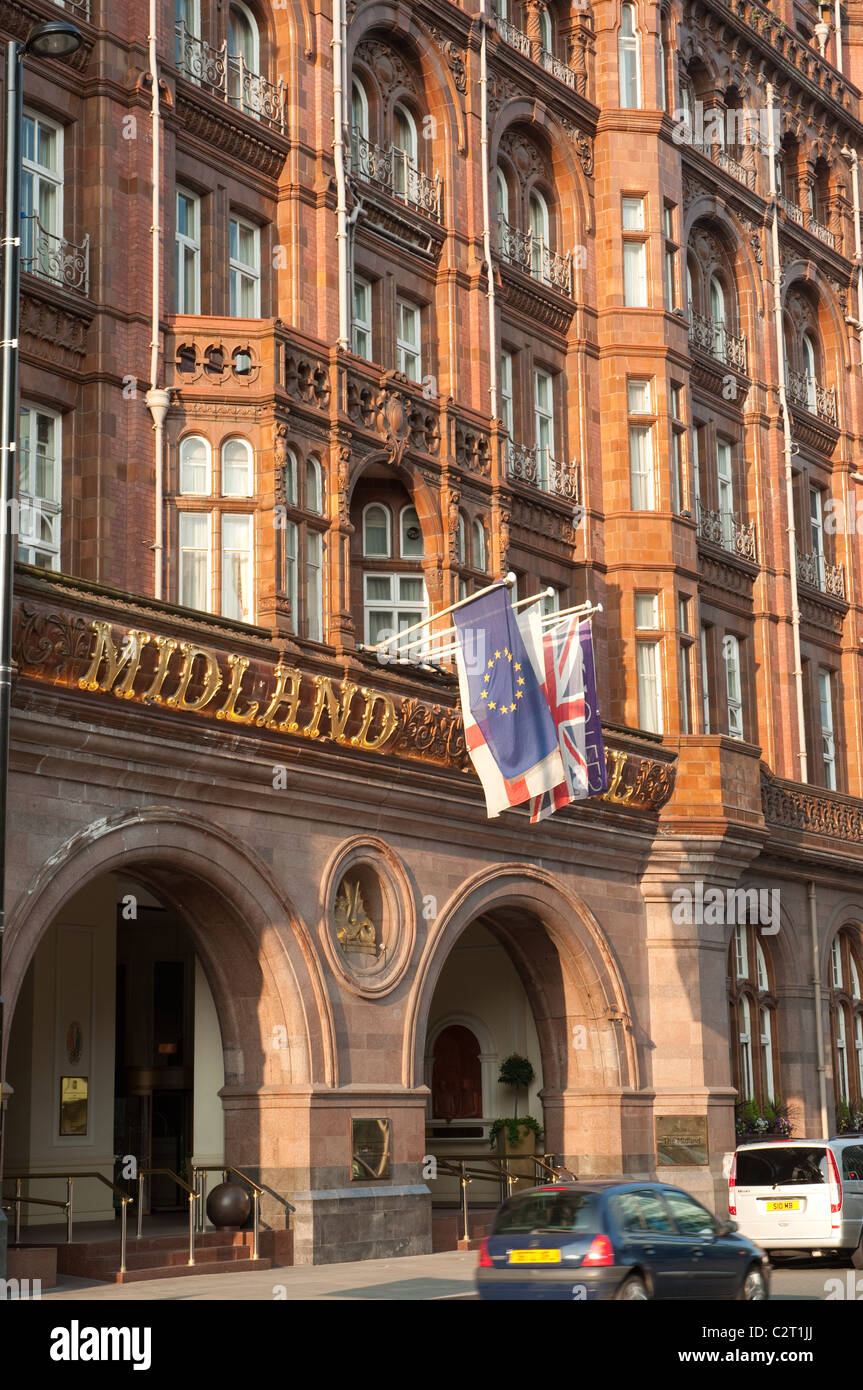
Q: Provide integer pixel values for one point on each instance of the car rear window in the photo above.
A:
(548, 1211)
(781, 1167)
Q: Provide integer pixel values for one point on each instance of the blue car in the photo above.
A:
(616, 1239)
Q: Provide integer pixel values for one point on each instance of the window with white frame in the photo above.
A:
(245, 254)
(188, 267)
(669, 214)
(745, 1038)
(816, 532)
(195, 578)
(314, 585)
(808, 354)
(828, 742)
(753, 1027)
(411, 534)
(408, 339)
(479, 547)
(629, 59)
(646, 611)
(678, 448)
(733, 692)
(543, 415)
(725, 491)
(705, 677)
(461, 540)
(540, 231)
(237, 579)
(641, 446)
(741, 957)
(392, 602)
(405, 149)
(551, 602)
(649, 686)
(237, 468)
(362, 329)
(359, 108)
(841, 1054)
(243, 55)
(314, 487)
(292, 567)
(634, 254)
(506, 407)
(502, 195)
(376, 531)
(41, 192)
(195, 466)
(40, 485)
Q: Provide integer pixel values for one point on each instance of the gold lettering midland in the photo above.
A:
(239, 666)
(338, 713)
(212, 678)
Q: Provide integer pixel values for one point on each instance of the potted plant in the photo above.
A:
(848, 1120)
(514, 1135)
(751, 1123)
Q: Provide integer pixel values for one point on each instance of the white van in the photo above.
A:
(800, 1194)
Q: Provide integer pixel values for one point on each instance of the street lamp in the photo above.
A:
(58, 39)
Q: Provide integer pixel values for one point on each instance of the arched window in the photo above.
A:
(502, 196)
(237, 468)
(717, 300)
(539, 230)
(846, 1009)
(290, 478)
(479, 558)
(405, 148)
(546, 38)
(753, 1019)
(243, 57)
(411, 534)
(314, 493)
(810, 363)
(662, 39)
(461, 541)
(456, 1075)
(629, 59)
(359, 108)
(376, 531)
(195, 466)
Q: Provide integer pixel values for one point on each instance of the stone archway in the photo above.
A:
(578, 1000)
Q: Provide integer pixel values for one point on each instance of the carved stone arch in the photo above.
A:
(426, 499)
(294, 38)
(389, 21)
(742, 247)
(257, 953)
(847, 914)
(569, 153)
(591, 986)
(827, 317)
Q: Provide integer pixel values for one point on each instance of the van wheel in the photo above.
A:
(754, 1288)
(633, 1288)
(857, 1255)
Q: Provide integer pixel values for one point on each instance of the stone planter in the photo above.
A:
(517, 1156)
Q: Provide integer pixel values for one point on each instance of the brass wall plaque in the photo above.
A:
(370, 1149)
(73, 1104)
(681, 1140)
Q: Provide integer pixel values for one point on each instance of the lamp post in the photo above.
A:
(58, 39)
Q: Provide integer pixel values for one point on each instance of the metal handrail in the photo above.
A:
(69, 1178)
(179, 1182)
(224, 1169)
(456, 1166)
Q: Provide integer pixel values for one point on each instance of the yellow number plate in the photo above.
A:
(783, 1206)
(534, 1257)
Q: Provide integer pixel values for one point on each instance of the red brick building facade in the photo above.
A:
(513, 307)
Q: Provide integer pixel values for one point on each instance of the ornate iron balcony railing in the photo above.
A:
(791, 210)
(818, 573)
(227, 76)
(532, 254)
(53, 258)
(726, 529)
(537, 467)
(531, 49)
(823, 233)
(391, 170)
(806, 391)
(720, 156)
(713, 336)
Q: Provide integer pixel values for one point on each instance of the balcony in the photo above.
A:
(791, 210)
(391, 170)
(805, 391)
(538, 469)
(728, 531)
(528, 48)
(713, 337)
(818, 573)
(53, 258)
(532, 255)
(717, 152)
(225, 75)
(819, 230)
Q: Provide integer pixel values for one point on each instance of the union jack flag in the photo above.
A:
(570, 690)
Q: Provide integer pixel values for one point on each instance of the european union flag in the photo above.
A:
(505, 694)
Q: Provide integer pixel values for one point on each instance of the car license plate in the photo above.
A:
(783, 1206)
(534, 1257)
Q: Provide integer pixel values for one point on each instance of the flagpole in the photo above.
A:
(439, 636)
(442, 612)
(585, 610)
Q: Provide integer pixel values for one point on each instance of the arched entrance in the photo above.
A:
(247, 990)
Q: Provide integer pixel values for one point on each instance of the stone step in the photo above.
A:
(135, 1276)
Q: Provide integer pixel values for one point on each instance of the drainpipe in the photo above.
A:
(157, 401)
(819, 1021)
(486, 212)
(837, 24)
(786, 431)
(851, 522)
(341, 182)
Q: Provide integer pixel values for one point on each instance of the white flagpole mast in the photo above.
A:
(440, 636)
(584, 610)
